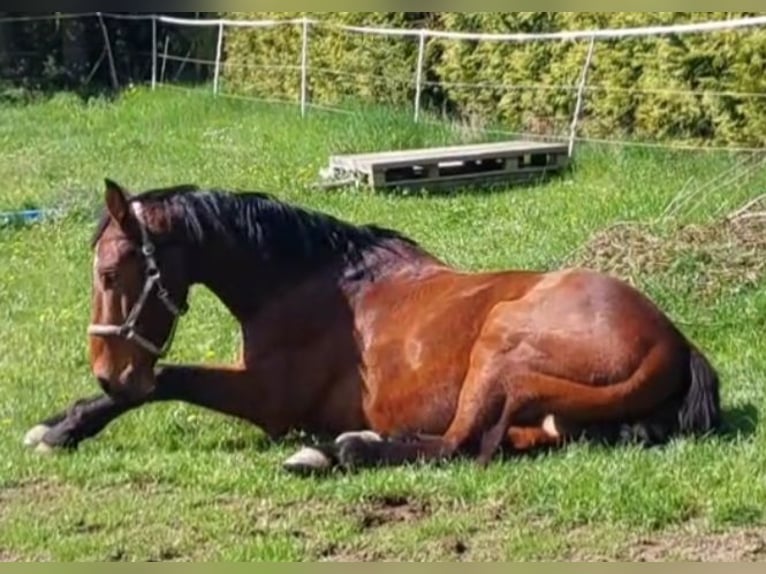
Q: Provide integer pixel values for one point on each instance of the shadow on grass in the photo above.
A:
(19, 94)
(475, 188)
(739, 421)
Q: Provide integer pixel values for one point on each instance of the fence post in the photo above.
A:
(304, 65)
(109, 55)
(164, 58)
(218, 50)
(580, 91)
(154, 51)
(419, 73)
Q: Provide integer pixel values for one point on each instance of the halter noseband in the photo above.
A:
(128, 329)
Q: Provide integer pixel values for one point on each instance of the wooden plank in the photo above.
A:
(364, 162)
(459, 150)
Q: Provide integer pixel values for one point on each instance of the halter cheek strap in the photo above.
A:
(153, 280)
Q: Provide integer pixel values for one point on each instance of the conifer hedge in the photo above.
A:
(634, 85)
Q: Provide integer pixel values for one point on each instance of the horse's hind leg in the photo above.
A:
(481, 420)
(525, 439)
(368, 448)
(495, 400)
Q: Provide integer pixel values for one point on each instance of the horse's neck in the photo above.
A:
(244, 284)
(234, 277)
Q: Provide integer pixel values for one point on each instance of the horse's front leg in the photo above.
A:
(84, 419)
(227, 390)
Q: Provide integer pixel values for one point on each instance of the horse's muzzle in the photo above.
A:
(131, 386)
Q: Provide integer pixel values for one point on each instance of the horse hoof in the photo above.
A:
(366, 436)
(34, 436)
(550, 426)
(44, 448)
(306, 461)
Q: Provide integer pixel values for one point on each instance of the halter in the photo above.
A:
(128, 329)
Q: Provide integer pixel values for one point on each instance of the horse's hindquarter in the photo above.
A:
(580, 326)
(416, 336)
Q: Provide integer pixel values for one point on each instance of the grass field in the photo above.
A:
(171, 482)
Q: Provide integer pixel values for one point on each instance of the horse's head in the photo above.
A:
(139, 292)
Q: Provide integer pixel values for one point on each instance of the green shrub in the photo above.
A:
(676, 87)
(343, 65)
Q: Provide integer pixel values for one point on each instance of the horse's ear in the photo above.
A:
(116, 199)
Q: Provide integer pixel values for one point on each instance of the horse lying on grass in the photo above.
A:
(357, 328)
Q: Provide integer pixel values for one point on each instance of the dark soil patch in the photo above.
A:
(335, 554)
(456, 546)
(382, 510)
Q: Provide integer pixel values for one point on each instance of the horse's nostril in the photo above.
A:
(103, 383)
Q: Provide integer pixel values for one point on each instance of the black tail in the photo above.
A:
(700, 410)
(697, 412)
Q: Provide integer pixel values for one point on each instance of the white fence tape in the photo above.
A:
(695, 27)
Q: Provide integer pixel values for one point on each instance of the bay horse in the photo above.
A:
(357, 331)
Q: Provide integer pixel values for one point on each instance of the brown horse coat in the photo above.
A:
(350, 327)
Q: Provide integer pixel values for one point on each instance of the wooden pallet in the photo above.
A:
(444, 166)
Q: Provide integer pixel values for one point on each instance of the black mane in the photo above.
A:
(259, 221)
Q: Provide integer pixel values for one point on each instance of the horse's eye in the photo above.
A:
(108, 279)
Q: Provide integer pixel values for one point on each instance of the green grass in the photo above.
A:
(175, 482)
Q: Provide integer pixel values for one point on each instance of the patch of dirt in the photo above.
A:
(167, 555)
(375, 512)
(741, 545)
(6, 556)
(334, 554)
(387, 509)
(725, 254)
(38, 492)
(117, 555)
(455, 546)
(689, 543)
(81, 526)
(32, 492)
